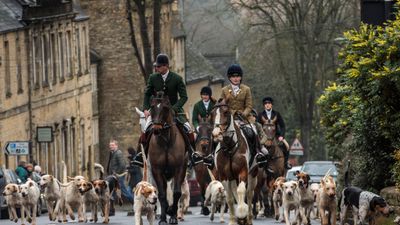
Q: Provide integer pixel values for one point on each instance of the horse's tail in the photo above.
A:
(211, 174)
(144, 164)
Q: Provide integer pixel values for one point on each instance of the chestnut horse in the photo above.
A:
(167, 156)
(204, 147)
(276, 162)
(232, 157)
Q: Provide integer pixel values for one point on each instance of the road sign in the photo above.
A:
(296, 148)
(17, 148)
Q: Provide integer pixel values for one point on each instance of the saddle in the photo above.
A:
(145, 138)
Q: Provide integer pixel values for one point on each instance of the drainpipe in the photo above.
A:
(28, 44)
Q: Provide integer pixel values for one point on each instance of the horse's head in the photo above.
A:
(222, 117)
(204, 136)
(270, 130)
(161, 112)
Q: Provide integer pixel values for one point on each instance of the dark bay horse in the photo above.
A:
(276, 162)
(232, 157)
(204, 147)
(167, 156)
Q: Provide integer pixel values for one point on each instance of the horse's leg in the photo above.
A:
(229, 200)
(204, 209)
(233, 187)
(177, 193)
(252, 181)
(162, 195)
(255, 201)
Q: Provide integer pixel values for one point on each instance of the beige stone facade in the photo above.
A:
(46, 76)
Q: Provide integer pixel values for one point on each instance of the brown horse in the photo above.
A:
(167, 155)
(276, 162)
(232, 157)
(204, 147)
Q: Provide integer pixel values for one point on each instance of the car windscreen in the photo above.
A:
(319, 169)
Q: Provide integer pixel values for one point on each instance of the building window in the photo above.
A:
(54, 68)
(7, 78)
(18, 69)
(37, 52)
(78, 51)
(69, 55)
(45, 59)
(61, 55)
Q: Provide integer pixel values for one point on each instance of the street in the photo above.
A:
(192, 218)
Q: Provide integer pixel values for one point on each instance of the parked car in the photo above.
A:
(318, 169)
(290, 173)
(8, 176)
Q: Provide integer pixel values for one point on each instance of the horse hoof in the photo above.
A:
(72, 217)
(169, 211)
(276, 217)
(162, 223)
(205, 211)
(173, 220)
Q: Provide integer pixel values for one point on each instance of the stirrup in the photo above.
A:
(209, 161)
(288, 165)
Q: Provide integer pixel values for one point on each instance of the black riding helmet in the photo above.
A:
(253, 112)
(206, 91)
(234, 69)
(268, 99)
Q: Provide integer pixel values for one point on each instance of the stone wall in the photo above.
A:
(120, 84)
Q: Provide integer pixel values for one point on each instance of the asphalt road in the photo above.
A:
(192, 218)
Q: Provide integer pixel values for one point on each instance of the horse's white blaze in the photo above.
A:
(216, 132)
(217, 117)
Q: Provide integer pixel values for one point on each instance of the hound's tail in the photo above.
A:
(98, 167)
(144, 164)
(346, 174)
(64, 168)
(211, 174)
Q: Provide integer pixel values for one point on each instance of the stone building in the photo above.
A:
(199, 73)
(121, 85)
(47, 83)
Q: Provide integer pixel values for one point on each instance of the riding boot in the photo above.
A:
(138, 160)
(188, 135)
(286, 155)
(209, 161)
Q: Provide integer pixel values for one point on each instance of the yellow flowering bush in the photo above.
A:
(361, 109)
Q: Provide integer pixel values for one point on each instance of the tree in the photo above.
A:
(300, 34)
(145, 60)
(361, 109)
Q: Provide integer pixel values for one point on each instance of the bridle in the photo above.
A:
(217, 121)
(164, 125)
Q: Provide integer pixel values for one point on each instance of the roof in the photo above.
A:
(198, 67)
(10, 15)
(81, 14)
